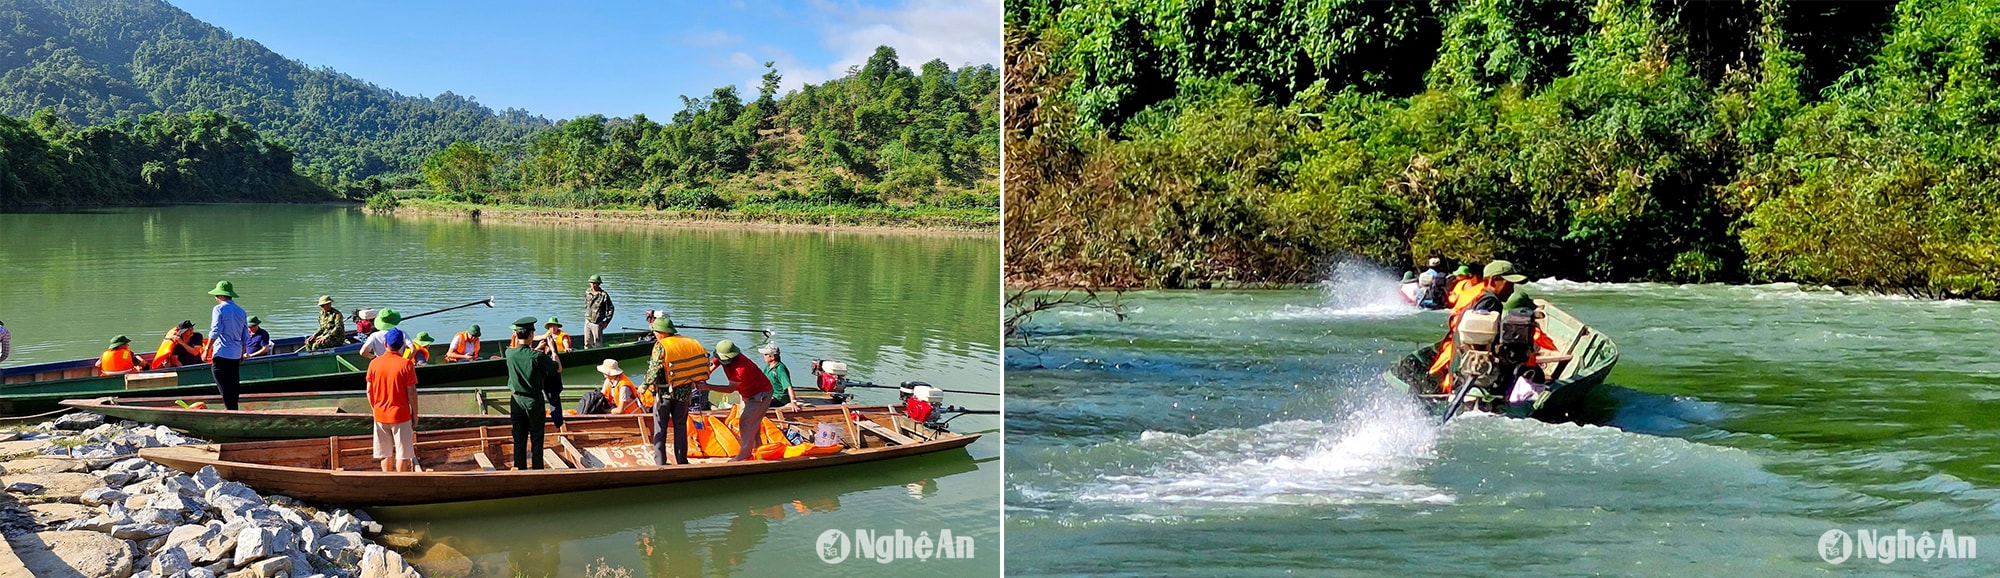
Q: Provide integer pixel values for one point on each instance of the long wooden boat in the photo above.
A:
(1584, 358)
(329, 372)
(55, 375)
(273, 416)
(583, 456)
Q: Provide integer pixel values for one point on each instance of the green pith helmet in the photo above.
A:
(1504, 270)
(664, 324)
(424, 339)
(524, 323)
(726, 350)
(597, 278)
(255, 321)
(119, 340)
(553, 321)
(223, 289)
(1409, 276)
(1463, 270)
(474, 331)
(388, 319)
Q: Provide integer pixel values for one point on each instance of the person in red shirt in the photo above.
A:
(392, 392)
(745, 379)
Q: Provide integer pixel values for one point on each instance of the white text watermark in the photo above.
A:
(1836, 546)
(835, 546)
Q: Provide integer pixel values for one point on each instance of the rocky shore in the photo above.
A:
(79, 502)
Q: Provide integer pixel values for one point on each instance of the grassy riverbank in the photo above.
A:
(776, 214)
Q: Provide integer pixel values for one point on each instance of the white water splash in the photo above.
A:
(1371, 451)
(1355, 289)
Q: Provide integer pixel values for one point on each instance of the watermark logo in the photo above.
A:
(1837, 546)
(835, 546)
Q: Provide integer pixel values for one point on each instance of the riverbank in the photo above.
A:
(755, 216)
(78, 502)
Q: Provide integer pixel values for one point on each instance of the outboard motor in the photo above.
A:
(922, 401)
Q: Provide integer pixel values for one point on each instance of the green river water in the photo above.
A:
(1248, 433)
(896, 306)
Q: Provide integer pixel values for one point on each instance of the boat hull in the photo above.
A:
(1592, 356)
(273, 416)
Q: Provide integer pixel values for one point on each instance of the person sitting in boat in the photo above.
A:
(1519, 337)
(464, 346)
(117, 360)
(392, 394)
(1408, 286)
(332, 327)
(554, 341)
(259, 341)
(780, 376)
(374, 346)
(181, 346)
(419, 351)
(617, 396)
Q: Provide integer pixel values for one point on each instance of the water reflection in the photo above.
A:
(713, 528)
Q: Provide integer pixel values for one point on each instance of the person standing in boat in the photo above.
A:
(678, 362)
(332, 327)
(392, 394)
(746, 380)
(228, 329)
(259, 342)
(597, 312)
(528, 372)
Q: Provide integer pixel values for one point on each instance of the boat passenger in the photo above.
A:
(597, 312)
(746, 380)
(528, 374)
(117, 360)
(179, 347)
(332, 328)
(227, 331)
(617, 396)
(554, 341)
(677, 363)
(419, 351)
(259, 342)
(780, 376)
(373, 345)
(464, 346)
(392, 394)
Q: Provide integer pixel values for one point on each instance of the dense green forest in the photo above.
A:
(157, 158)
(98, 61)
(1183, 143)
(883, 135)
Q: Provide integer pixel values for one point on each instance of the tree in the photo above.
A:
(460, 169)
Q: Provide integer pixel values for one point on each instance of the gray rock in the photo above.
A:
(129, 465)
(103, 523)
(116, 478)
(371, 527)
(170, 562)
(58, 514)
(232, 489)
(207, 478)
(341, 548)
(150, 545)
(173, 501)
(168, 518)
(291, 516)
(100, 496)
(360, 515)
(345, 522)
(136, 501)
(201, 573)
(140, 531)
(188, 533)
(253, 544)
(379, 562)
(87, 554)
(78, 422)
(28, 488)
(181, 484)
(267, 568)
(61, 487)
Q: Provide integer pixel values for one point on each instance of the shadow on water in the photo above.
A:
(702, 528)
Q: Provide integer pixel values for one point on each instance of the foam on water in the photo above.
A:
(1354, 289)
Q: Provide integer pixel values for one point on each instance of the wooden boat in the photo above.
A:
(271, 416)
(1584, 358)
(583, 456)
(56, 375)
(314, 372)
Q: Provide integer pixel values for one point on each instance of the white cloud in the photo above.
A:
(959, 32)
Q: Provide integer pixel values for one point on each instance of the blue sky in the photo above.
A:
(563, 59)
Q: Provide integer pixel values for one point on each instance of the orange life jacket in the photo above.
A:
(558, 339)
(624, 396)
(465, 344)
(417, 354)
(164, 357)
(115, 361)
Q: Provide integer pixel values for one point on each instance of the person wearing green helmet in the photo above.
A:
(385, 321)
(555, 341)
(228, 329)
(118, 359)
(746, 379)
(677, 363)
(464, 346)
(597, 312)
(259, 342)
(419, 351)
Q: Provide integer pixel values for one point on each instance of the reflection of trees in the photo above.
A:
(717, 545)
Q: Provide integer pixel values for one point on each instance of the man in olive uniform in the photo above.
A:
(528, 371)
(332, 327)
(678, 362)
(597, 312)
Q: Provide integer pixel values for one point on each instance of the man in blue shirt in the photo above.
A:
(259, 343)
(228, 330)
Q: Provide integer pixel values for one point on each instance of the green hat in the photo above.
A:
(1463, 270)
(120, 340)
(223, 289)
(424, 338)
(726, 350)
(664, 324)
(474, 331)
(525, 323)
(597, 278)
(326, 300)
(255, 321)
(553, 321)
(1504, 270)
(388, 319)
(1408, 276)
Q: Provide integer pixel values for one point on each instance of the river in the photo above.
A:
(1249, 433)
(896, 306)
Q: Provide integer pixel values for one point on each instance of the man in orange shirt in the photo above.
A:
(392, 391)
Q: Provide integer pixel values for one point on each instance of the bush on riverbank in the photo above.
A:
(1616, 141)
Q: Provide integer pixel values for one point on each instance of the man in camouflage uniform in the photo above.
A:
(332, 327)
(597, 312)
(678, 362)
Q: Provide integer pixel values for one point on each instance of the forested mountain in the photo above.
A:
(98, 61)
(1185, 142)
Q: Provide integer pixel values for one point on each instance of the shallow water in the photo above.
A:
(1249, 433)
(895, 306)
